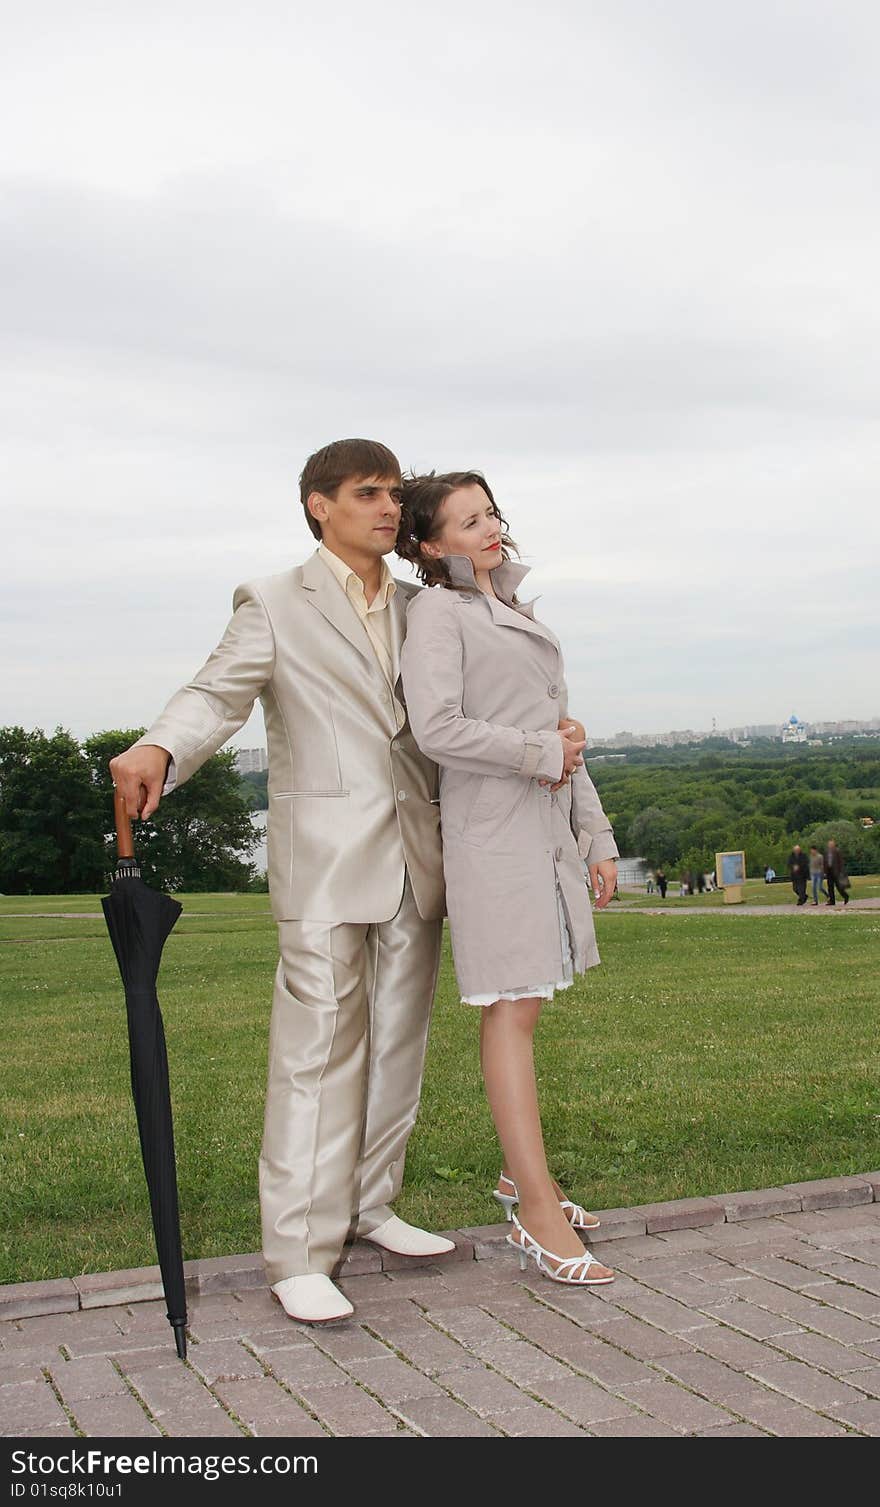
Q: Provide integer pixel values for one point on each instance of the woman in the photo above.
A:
(484, 690)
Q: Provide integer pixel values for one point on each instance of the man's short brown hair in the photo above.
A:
(344, 460)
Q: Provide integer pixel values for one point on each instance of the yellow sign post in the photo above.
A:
(730, 875)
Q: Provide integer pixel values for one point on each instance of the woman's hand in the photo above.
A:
(574, 729)
(572, 747)
(603, 878)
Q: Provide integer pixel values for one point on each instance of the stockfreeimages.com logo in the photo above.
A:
(95, 1462)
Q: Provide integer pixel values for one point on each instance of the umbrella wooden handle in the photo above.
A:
(124, 840)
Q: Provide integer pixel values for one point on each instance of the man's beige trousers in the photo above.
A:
(350, 1018)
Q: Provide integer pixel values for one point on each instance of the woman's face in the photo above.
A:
(468, 525)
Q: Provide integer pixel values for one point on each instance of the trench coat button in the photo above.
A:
(401, 795)
(553, 689)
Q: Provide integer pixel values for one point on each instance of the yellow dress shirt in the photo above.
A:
(374, 615)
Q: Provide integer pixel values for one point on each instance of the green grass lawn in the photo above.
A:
(733, 1054)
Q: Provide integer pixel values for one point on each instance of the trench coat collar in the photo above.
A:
(505, 577)
(505, 580)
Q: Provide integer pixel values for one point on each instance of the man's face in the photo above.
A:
(362, 519)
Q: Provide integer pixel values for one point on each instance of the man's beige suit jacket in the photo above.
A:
(352, 800)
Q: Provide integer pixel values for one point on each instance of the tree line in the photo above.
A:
(682, 810)
(57, 829)
(676, 807)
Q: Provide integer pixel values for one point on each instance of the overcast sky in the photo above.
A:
(620, 256)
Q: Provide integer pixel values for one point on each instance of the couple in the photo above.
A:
(368, 684)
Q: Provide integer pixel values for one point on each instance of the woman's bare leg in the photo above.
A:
(507, 1031)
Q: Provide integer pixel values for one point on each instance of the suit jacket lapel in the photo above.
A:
(325, 593)
(397, 633)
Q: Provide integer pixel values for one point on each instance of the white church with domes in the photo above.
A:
(794, 731)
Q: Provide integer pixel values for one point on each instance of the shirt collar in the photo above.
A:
(344, 574)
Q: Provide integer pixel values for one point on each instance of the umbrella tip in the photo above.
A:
(179, 1327)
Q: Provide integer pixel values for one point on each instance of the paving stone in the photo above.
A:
(823, 1393)
(759, 1203)
(304, 1367)
(688, 1240)
(77, 1380)
(785, 1419)
(169, 1392)
(819, 1351)
(831, 1192)
(663, 1313)
(731, 1431)
(485, 1392)
(673, 1405)
(851, 1300)
(30, 1405)
(443, 1417)
(348, 1411)
(490, 1235)
(64, 1431)
(358, 1260)
(22, 1300)
(360, 1289)
(709, 1378)
(267, 1410)
(643, 1341)
(872, 1348)
(744, 1316)
(119, 1343)
(391, 1379)
(223, 1360)
(858, 1273)
(226, 1273)
(118, 1417)
(865, 1417)
(350, 1342)
(523, 1363)
(680, 1214)
(538, 1423)
(110, 1289)
(621, 1224)
(639, 1426)
(867, 1380)
(429, 1351)
(873, 1181)
(196, 1421)
(583, 1401)
(737, 1350)
(785, 1273)
(58, 1329)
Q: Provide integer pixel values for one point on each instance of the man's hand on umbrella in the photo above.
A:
(139, 776)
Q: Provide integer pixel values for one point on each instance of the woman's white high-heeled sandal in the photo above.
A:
(574, 1271)
(577, 1217)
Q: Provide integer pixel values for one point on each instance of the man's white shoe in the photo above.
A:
(312, 1299)
(408, 1240)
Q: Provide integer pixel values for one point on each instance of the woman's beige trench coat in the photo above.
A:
(484, 691)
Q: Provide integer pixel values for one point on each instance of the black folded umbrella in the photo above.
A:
(139, 920)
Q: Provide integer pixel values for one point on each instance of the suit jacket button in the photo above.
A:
(401, 795)
(553, 690)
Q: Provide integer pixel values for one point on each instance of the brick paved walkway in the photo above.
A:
(746, 1315)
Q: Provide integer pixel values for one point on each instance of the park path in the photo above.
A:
(747, 1315)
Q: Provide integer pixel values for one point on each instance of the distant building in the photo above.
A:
(794, 731)
(251, 760)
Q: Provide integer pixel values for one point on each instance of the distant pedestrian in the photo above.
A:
(817, 874)
(701, 882)
(836, 876)
(649, 883)
(799, 870)
(661, 882)
(769, 874)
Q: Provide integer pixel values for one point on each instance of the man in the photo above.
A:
(355, 870)
(799, 870)
(817, 874)
(836, 877)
